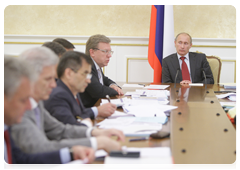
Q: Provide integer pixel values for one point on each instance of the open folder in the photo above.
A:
(156, 157)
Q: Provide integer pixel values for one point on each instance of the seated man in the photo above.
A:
(39, 131)
(57, 48)
(18, 77)
(189, 65)
(99, 49)
(64, 102)
(65, 43)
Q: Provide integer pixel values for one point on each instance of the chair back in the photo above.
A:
(216, 65)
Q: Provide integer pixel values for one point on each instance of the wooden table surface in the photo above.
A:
(200, 131)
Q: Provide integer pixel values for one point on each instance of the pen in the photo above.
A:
(107, 96)
(141, 84)
(138, 139)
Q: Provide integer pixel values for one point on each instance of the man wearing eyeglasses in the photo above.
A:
(99, 49)
(64, 103)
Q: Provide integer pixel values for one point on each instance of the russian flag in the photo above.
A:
(161, 38)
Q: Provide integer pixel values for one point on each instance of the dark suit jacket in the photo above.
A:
(198, 61)
(96, 90)
(19, 157)
(64, 107)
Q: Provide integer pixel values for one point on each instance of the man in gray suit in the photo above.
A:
(39, 131)
(196, 64)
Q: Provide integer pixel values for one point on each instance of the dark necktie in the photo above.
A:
(78, 101)
(9, 152)
(185, 72)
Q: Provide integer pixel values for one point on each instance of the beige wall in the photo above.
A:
(200, 21)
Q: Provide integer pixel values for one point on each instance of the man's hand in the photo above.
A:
(120, 92)
(109, 133)
(84, 153)
(107, 144)
(106, 109)
(185, 82)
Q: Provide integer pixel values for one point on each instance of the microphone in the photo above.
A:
(176, 77)
(205, 78)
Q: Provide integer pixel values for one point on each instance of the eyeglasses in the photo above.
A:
(105, 51)
(87, 75)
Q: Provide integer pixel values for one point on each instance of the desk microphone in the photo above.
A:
(204, 78)
(176, 77)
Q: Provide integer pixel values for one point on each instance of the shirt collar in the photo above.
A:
(187, 56)
(96, 65)
(34, 104)
(5, 127)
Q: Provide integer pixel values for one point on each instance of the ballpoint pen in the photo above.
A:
(108, 98)
(138, 139)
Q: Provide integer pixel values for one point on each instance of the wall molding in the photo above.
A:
(115, 40)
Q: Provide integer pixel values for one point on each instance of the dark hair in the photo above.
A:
(55, 47)
(73, 60)
(65, 43)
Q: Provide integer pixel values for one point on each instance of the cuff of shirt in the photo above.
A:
(93, 141)
(95, 111)
(65, 155)
(87, 123)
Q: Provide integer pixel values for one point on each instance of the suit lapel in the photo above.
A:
(192, 59)
(76, 107)
(176, 66)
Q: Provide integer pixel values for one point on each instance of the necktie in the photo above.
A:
(78, 101)
(185, 72)
(9, 152)
(38, 117)
(100, 76)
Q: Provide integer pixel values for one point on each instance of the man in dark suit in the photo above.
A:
(99, 49)
(41, 132)
(64, 102)
(189, 65)
(18, 76)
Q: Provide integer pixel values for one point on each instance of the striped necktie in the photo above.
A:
(100, 76)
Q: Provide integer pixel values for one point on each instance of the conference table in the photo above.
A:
(200, 131)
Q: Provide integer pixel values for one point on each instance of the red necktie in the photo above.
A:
(185, 72)
(78, 101)
(7, 140)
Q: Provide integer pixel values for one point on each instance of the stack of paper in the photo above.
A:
(148, 110)
(156, 155)
(231, 96)
(132, 126)
(229, 85)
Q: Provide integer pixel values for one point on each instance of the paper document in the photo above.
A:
(229, 85)
(133, 85)
(153, 155)
(72, 164)
(130, 127)
(221, 96)
(117, 102)
(196, 84)
(157, 87)
(150, 110)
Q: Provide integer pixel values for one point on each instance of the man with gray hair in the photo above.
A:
(18, 76)
(99, 49)
(39, 131)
